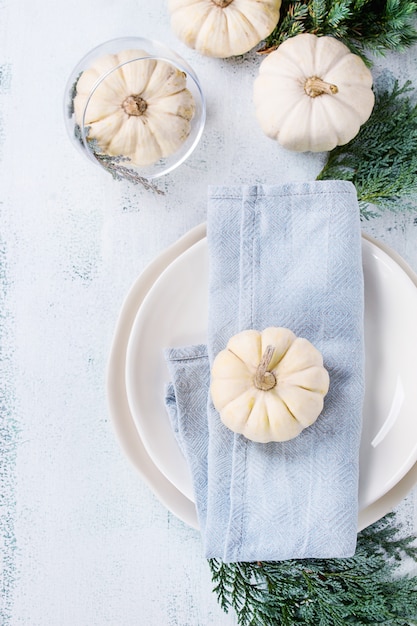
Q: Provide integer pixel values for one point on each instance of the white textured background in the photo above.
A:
(83, 542)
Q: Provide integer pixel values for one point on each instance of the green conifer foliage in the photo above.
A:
(381, 161)
(363, 590)
(363, 25)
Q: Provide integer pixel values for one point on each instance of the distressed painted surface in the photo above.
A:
(83, 541)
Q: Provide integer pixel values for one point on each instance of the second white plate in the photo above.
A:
(174, 313)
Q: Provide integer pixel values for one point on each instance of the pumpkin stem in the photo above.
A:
(315, 86)
(134, 105)
(222, 3)
(265, 380)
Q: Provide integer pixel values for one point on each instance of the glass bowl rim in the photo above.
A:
(172, 57)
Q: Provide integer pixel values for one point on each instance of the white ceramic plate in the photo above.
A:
(174, 313)
(124, 425)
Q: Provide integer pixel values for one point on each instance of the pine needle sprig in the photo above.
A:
(115, 165)
(381, 161)
(363, 25)
(362, 590)
(292, 23)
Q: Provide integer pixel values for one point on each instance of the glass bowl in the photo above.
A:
(110, 122)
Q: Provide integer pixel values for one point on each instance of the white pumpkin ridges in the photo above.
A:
(300, 355)
(257, 427)
(212, 31)
(247, 347)
(283, 426)
(362, 100)
(148, 150)
(302, 54)
(177, 130)
(85, 82)
(223, 31)
(187, 21)
(313, 378)
(261, 21)
(267, 403)
(344, 120)
(141, 110)
(361, 103)
(295, 131)
(132, 135)
(225, 390)
(247, 25)
(165, 81)
(276, 97)
(97, 109)
(329, 53)
(125, 139)
(354, 71)
(236, 413)
(126, 136)
(306, 127)
(136, 74)
(240, 31)
(90, 76)
(281, 339)
(330, 97)
(180, 103)
(306, 405)
(226, 361)
(106, 128)
(287, 68)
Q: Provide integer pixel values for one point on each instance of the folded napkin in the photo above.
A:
(280, 255)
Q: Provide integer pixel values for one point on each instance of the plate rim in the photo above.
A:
(124, 423)
(146, 401)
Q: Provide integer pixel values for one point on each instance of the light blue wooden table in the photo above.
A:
(83, 541)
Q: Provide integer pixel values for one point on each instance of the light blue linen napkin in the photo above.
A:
(280, 255)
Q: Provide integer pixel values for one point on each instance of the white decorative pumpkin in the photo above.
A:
(223, 28)
(312, 94)
(141, 110)
(268, 385)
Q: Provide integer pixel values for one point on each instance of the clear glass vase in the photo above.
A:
(102, 115)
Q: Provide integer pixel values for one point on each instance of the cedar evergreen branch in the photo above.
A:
(363, 25)
(381, 161)
(367, 589)
(363, 590)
